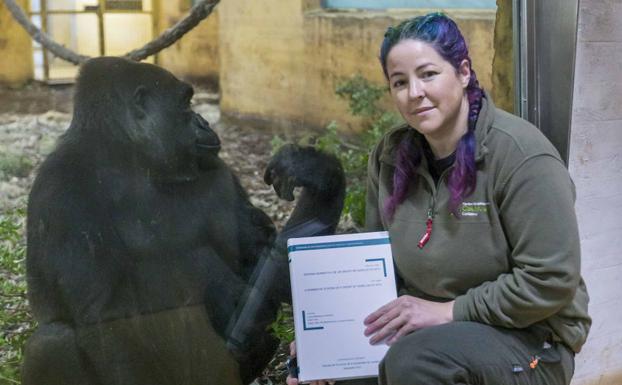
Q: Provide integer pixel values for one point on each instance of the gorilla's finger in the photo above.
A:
(269, 174)
(284, 187)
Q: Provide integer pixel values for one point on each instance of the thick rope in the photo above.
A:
(43, 38)
(199, 12)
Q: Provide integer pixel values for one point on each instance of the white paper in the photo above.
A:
(337, 281)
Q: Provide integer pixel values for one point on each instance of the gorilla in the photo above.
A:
(146, 262)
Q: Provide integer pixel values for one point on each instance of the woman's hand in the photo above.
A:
(405, 315)
(294, 381)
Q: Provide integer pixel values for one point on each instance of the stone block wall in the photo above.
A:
(595, 164)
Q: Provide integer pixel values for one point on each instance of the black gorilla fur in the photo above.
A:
(142, 243)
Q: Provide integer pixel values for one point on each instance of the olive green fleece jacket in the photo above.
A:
(512, 259)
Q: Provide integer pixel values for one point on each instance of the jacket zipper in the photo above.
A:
(431, 212)
(428, 228)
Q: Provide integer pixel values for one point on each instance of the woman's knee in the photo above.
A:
(444, 354)
(427, 356)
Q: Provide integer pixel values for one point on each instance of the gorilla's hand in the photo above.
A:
(323, 188)
(295, 166)
(281, 172)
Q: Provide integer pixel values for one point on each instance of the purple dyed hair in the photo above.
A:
(443, 34)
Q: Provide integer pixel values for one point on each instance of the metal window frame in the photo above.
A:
(545, 38)
(100, 11)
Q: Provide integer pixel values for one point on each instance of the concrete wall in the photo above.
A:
(596, 167)
(262, 73)
(195, 56)
(281, 61)
(15, 47)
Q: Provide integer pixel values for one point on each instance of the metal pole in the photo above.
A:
(545, 40)
(155, 24)
(43, 6)
(100, 22)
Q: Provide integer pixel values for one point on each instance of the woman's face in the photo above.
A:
(427, 89)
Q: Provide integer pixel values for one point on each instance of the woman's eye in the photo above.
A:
(428, 74)
(398, 83)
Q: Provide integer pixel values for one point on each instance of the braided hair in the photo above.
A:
(443, 35)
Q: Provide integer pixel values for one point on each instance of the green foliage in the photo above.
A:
(14, 165)
(362, 96)
(283, 327)
(363, 99)
(276, 142)
(17, 324)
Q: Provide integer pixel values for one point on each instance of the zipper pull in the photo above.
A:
(428, 231)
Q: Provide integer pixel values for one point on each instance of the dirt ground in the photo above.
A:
(36, 98)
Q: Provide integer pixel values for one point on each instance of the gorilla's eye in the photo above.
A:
(187, 98)
(186, 103)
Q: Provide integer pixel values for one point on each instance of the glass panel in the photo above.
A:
(38, 62)
(125, 32)
(77, 32)
(36, 20)
(382, 4)
(71, 5)
(35, 5)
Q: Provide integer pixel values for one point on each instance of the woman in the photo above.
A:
(479, 207)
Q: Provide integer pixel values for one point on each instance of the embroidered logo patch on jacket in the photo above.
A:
(474, 209)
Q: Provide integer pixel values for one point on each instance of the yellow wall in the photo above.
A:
(281, 61)
(195, 56)
(262, 73)
(16, 65)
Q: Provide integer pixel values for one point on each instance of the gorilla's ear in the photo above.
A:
(140, 101)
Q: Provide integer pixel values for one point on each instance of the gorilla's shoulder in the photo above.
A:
(63, 179)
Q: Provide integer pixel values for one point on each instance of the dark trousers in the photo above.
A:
(474, 353)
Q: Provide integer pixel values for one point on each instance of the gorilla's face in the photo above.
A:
(170, 136)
